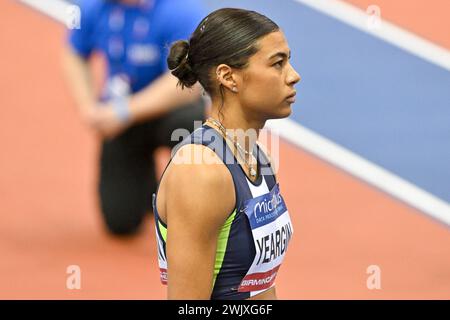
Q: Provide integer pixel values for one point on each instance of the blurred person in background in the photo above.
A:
(140, 104)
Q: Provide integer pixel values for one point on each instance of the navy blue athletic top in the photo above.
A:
(253, 240)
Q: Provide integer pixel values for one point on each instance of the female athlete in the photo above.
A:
(222, 225)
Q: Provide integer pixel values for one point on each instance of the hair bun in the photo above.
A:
(178, 62)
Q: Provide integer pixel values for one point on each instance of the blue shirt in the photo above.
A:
(134, 39)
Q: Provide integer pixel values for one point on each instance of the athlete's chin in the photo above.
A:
(283, 111)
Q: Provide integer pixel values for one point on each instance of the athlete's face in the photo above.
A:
(269, 79)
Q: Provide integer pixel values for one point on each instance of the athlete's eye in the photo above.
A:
(278, 64)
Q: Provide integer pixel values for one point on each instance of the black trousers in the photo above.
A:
(127, 167)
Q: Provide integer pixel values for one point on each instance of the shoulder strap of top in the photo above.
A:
(210, 138)
(266, 168)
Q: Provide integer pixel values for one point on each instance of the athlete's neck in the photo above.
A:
(237, 122)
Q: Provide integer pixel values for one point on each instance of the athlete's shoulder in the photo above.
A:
(200, 161)
(199, 167)
(200, 184)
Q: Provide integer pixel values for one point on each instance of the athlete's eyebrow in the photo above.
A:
(281, 54)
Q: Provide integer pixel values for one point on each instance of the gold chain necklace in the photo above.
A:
(237, 145)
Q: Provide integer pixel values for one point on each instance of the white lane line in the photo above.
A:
(318, 145)
(361, 168)
(387, 31)
(56, 9)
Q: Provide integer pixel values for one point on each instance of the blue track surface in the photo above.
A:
(379, 101)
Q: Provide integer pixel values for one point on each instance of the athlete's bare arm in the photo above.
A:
(194, 200)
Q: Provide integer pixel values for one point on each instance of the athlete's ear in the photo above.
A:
(226, 77)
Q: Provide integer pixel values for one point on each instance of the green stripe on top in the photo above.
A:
(222, 241)
(162, 230)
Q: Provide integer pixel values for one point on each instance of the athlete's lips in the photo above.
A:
(291, 98)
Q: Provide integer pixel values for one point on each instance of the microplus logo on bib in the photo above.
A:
(266, 208)
(272, 230)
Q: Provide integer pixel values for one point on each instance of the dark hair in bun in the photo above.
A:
(226, 36)
(178, 62)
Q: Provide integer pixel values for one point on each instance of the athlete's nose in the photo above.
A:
(293, 76)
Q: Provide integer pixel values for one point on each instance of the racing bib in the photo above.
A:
(272, 229)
